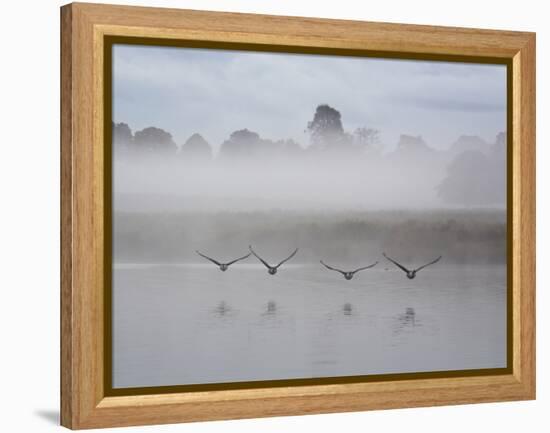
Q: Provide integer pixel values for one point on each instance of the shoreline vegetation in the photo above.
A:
(461, 236)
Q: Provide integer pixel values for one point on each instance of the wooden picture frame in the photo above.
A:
(85, 28)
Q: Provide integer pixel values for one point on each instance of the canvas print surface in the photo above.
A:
(290, 216)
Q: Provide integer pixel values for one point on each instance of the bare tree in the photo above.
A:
(366, 138)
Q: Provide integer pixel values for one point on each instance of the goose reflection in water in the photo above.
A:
(271, 308)
(406, 321)
(222, 309)
(347, 309)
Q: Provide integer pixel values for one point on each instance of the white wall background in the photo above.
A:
(29, 229)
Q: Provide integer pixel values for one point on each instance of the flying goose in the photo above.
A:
(272, 269)
(348, 275)
(223, 266)
(411, 273)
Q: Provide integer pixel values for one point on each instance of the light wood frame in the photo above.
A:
(84, 403)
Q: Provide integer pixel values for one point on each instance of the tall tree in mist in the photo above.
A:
(122, 137)
(154, 139)
(196, 147)
(326, 128)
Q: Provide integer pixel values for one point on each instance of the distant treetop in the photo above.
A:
(477, 178)
(412, 144)
(122, 137)
(155, 139)
(196, 147)
(242, 143)
(366, 138)
(326, 127)
(469, 142)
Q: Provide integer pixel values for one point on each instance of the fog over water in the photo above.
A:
(289, 184)
(354, 202)
(304, 182)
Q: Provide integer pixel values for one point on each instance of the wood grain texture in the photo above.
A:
(298, 31)
(67, 389)
(83, 401)
(524, 219)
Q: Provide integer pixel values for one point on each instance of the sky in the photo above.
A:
(215, 92)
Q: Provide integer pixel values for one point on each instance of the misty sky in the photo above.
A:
(215, 92)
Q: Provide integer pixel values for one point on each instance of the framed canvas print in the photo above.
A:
(270, 216)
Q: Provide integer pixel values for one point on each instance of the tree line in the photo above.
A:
(325, 130)
(475, 169)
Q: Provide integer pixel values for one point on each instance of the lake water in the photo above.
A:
(190, 324)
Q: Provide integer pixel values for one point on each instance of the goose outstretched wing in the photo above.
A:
(428, 264)
(267, 265)
(403, 268)
(287, 259)
(208, 258)
(240, 258)
(365, 267)
(331, 268)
